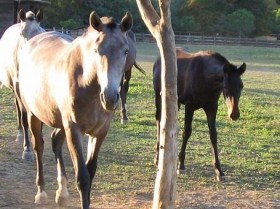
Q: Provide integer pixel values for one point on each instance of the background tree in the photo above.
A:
(204, 16)
(161, 29)
(241, 22)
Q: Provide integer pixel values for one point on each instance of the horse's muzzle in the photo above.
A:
(234, 115)
(109, 100)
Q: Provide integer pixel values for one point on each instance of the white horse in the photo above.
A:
(11, 43)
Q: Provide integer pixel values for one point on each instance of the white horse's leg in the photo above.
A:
(62, 195)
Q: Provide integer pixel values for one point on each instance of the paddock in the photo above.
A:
(249, 147)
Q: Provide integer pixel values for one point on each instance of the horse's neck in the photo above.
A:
(83, 66)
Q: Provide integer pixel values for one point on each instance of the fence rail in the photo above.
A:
(198, 39)
(214, 40)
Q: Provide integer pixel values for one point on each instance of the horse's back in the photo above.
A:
(199, 74)
(42, 63)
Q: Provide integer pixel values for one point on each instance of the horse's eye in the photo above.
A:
(126, 52)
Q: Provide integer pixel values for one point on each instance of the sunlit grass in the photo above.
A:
(249, 147)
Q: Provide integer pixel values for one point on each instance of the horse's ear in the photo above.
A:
(39, 15)
(126, 22)
(242, 68)
(21, 15)
(95, 22)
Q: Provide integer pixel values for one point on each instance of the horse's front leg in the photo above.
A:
(74, 137)
(94, 145)
(38, 146)
(62, 195)
(211, 113)
(189, 111)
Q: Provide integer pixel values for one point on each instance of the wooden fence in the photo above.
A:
(214, 40)
(198, 39)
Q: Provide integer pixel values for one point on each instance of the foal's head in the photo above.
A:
(232, 86)
(30, 23)
(106, 52)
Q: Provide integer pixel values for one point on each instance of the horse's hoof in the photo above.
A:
(221, 178)
(27, 155)
(20, 137)
(181, 171)
(61, 197)
(124, 121)
(41, 198)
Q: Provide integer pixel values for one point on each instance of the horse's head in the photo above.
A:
(232, 86)
(108, 50)
(30, 23)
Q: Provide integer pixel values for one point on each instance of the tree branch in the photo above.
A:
(149, 15)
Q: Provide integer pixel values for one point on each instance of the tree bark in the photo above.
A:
(161, 29)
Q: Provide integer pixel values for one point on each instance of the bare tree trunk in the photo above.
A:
(161, 29)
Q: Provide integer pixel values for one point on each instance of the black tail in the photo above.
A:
(139, 68)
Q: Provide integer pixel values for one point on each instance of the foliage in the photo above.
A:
(240, 22)
(208, 17)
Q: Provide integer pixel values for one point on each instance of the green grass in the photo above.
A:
(249, 147)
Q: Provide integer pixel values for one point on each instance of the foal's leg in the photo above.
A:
(38, 147)
(158, 118)
(189, 111)
(74, 137)
(62, 195)
(123, 93)
(211, 113)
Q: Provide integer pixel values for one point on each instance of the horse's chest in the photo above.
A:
(88, 113)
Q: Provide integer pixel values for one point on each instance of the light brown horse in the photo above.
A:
(12, 41)
(74, 87)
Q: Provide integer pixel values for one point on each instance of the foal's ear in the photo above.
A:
(95, 22)
(21, 15)
(39, 15)
(242, 68)
(126, 22)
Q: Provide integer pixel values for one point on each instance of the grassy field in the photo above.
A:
(249, 148)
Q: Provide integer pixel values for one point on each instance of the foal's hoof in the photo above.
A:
(27, 155)
(41, 198)
(61, 197)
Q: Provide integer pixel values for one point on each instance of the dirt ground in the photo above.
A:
(17, 189)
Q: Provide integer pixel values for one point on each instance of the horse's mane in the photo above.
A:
(218, 56)
(109, 22)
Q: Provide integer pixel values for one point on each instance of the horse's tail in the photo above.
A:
(139, 68)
